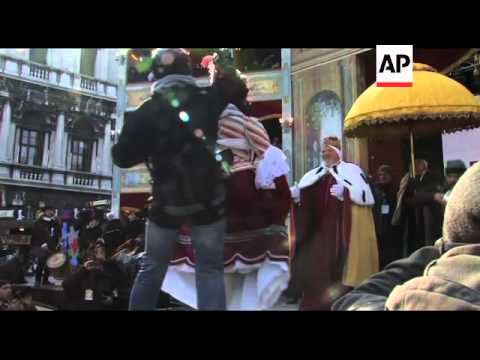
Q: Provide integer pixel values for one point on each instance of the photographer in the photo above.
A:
(98, 285)
(174, 133)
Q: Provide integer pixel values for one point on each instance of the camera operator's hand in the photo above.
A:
(439, 198)
(90, 265)
(107, 300)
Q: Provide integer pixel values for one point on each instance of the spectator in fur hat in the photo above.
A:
(440, 277)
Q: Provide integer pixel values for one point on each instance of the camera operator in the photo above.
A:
(174, 133)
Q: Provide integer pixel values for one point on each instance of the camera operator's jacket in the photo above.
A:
(440, 277)
(151, 135)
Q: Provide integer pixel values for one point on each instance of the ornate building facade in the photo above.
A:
(57, 111)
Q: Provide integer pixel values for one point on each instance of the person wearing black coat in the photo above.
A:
(388, 236)
(113, 234)
(417, 212)
(99, 284)
(174, 133)
(89, 226)
(46, 235)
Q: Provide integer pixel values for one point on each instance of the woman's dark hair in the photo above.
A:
(233, 88)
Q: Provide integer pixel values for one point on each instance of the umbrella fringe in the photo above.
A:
(412, 120)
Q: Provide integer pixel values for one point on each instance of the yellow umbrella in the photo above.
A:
(434, 104)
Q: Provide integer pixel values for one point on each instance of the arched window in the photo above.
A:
(81, 146)
(30, 139)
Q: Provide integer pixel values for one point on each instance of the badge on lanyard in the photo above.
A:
(385, 209)
(89, 295)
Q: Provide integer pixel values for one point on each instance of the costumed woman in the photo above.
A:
(258, 202)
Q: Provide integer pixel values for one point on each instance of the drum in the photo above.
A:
(58, 265)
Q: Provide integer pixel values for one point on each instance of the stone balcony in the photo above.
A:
(41, 177)
(56, 78)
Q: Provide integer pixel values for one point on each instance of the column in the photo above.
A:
(59, 156)
(107, 148)
(51, 154)
(5, 129)
(287, 136)
(99, 161)
(67, 161)
(46, 150)
(11, 142)
(93, 169)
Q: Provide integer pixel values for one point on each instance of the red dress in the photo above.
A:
(257, 250)
(250, 209)
(261, 213)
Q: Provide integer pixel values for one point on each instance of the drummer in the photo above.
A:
(46, 235)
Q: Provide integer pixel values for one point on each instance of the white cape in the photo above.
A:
(349, 175)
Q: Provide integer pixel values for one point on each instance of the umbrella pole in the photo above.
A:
(412, 154)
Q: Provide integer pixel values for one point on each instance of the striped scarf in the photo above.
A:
(235, 125)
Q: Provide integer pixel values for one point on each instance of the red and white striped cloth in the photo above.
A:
(234, 125)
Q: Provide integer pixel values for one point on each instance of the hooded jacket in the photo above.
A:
(154, 134)
(451, 282)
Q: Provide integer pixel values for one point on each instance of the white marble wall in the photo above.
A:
(65, 59)
(23, 54)
(106, 67)
(69, 60)
(113, 65)
(101, 65)
(462, 145)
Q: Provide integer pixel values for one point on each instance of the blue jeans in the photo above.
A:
(208, 242)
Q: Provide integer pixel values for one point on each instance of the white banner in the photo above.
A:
(7, 213)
